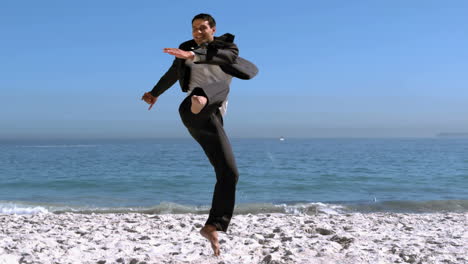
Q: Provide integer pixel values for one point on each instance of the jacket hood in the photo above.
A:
(228, 37)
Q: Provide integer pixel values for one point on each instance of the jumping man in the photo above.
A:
(204, 67)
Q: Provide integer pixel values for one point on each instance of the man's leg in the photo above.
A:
(206, 127)
(201, 116)
(217, 147)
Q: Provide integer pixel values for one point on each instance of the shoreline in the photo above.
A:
(310, 208)
(253, 238)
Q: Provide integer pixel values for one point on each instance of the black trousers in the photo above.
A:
(207, 129)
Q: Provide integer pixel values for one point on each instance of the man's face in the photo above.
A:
(202, 32)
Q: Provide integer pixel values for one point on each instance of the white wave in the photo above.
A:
(330, 208)
(171, 208)
(22, 210)
(309, 208)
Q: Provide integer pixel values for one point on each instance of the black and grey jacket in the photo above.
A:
(222, 51)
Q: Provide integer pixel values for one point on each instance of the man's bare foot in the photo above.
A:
(209, 232)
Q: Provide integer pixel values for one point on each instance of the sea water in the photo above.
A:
(290, 176)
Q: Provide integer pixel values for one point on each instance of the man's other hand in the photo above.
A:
(149, 99)
(181, 54)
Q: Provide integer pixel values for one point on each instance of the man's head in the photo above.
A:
(203, 28)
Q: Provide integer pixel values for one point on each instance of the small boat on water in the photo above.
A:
(281, 138)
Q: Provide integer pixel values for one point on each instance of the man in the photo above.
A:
(204, 67)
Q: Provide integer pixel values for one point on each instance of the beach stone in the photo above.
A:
(287, 259)
(81, 232)
(198, 225)
(256, 236)
(285, 239)
(130, 230)
(266, 259)
(324, 232)
(343, 241)
(134, 261)
(410, 258)
(269, 235)
(120, 260)
(248, 242)
(26, 259)
(101, 262)
(274, 249)
(277, 230)
(137, 249)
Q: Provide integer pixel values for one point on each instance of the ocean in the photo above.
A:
(291, 176)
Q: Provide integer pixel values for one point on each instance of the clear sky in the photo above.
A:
(327, 68)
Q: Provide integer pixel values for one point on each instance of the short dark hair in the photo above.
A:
(206, 17)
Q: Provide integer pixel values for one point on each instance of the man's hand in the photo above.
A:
(181, 54)
(149, 99)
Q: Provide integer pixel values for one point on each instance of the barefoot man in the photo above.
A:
(204, 67)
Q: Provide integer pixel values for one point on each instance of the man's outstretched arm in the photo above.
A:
(166, 81)
(212, 55)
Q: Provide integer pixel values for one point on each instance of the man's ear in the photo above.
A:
(214, 29)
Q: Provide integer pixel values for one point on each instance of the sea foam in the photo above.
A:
(11, 208)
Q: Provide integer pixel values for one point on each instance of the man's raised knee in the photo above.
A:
(198, 102)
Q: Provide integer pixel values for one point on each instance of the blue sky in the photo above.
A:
(327, 68)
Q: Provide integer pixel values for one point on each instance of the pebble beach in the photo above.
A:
(252, 238)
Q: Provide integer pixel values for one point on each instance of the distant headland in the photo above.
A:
(453, 135)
